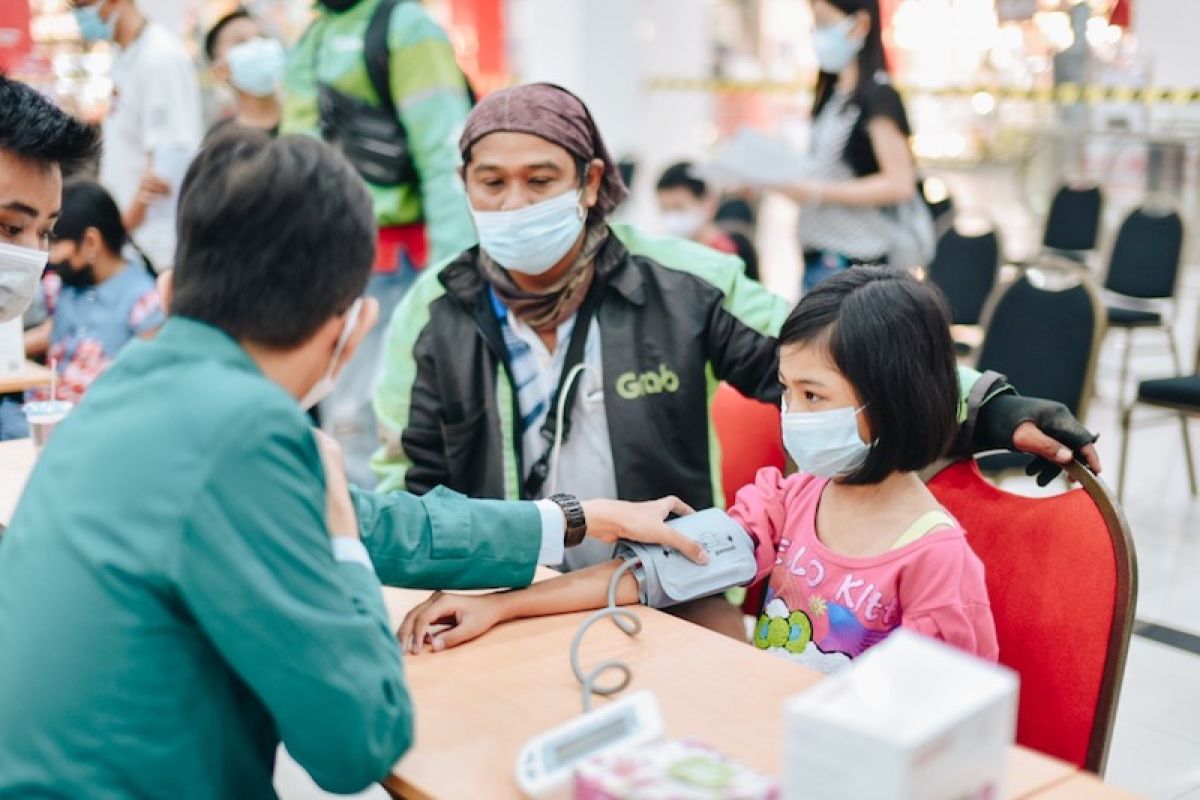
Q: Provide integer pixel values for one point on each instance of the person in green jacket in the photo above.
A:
(187, 580)
(379, 79)
(561, 314)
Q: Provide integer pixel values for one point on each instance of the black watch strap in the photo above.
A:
(573, 511)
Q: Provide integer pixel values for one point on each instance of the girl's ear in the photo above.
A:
(862, 25)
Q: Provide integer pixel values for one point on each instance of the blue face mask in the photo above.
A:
(834, 47)
(824, 443)
(533, 239)
(256, 66)
(92, 26)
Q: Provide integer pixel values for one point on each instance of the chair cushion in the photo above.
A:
(1052, 583)
(1132, 318)
(1184, 391)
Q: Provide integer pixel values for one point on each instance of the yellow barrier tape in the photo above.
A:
(1067, 93)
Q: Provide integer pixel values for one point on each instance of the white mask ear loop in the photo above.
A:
(559, 413)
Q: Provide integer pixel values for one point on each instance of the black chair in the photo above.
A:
(1073, 224)
(940, 203)
(1144, 265)
(965, 269)
(1046, 341)
(1180, 395)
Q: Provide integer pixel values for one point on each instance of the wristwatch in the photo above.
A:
(573, 511)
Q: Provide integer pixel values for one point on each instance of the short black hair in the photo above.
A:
(682, 175)
(87, 204)
(275, 236)
(36, 130)
(214, 33)
(889, 335)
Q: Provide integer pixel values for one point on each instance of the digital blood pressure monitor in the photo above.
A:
(547, 762)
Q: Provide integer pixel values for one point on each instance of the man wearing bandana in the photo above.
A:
(559, 313)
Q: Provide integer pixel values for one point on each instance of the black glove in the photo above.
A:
(1000, 417)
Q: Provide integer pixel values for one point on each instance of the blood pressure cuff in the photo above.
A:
(666, 576)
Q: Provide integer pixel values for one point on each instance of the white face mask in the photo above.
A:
(531, 240)
(20, 270)
(256, 66)
(824, 443)
(683, 224)
(834, 47)
(324, 386)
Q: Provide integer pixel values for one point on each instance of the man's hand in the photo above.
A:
(469, 617)
(151, 189)
(1042, 428)
(610, 520)
(340, 517)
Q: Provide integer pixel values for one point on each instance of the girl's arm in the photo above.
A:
(470, 616)
(943, 595)
(894, 183)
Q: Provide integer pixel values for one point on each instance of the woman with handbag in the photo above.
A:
(860, 204)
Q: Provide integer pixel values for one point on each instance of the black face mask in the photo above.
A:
(339, 5)
(75, 278)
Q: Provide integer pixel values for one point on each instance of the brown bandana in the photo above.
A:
(552, 113)
(545, 311)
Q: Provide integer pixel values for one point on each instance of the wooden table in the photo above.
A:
(34, 376)
(1083, 786)
(16, 462)
(478, 704)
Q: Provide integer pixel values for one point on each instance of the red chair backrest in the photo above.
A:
(749, 434)
(1060, 580)
(750, 438)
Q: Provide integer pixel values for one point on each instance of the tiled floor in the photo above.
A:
(1156, 743)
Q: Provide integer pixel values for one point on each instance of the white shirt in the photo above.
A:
(585, 464)
(154, 119)
(857, 231)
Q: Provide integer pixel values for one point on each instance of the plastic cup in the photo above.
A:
(43, 417)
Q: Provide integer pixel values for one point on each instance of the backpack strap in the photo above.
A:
(377, 54)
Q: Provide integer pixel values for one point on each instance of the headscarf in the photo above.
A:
(545, 311)
(552, 113)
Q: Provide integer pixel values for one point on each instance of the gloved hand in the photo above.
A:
(1044, 428)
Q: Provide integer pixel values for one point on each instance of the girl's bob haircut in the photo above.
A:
(889, 335)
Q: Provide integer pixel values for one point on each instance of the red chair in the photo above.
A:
(749, 434)
(1062, 578)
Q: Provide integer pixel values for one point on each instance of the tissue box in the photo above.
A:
(911, 719)
(12, 347)
(670, 770)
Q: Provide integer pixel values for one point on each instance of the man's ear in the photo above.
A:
(367, 319)
(595, 177)
(166, 283)
(220, 71)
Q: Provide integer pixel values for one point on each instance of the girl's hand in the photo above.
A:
(469, 617)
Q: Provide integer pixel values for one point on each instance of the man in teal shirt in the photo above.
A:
(171, 604)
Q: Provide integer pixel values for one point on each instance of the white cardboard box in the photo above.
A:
(911, 719)
(12, 347)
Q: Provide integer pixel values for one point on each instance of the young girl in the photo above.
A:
(854, 545)
(100, 300)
